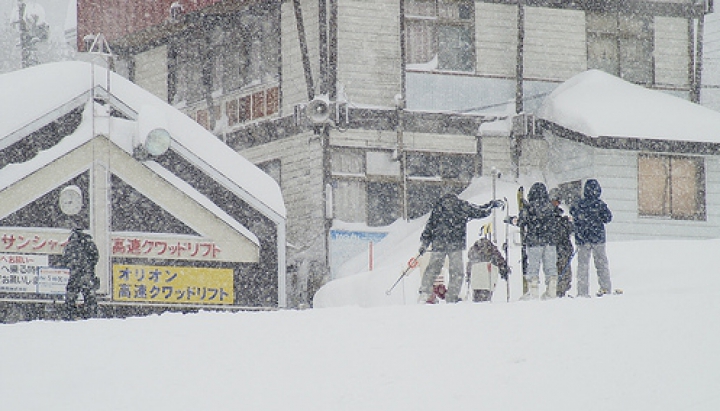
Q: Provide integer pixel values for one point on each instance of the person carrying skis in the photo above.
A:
(590, 214)
(563, 244)
(539, 219)
(484, 264)
(445, 231)
(80, 257)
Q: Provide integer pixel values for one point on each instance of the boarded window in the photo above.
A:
(671, 186)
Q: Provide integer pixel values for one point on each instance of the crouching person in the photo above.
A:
(485, 264)
(80, 257)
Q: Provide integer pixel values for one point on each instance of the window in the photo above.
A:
(448, 166)
(347, 162)
(622, 45)
(349, 200)
(383, 200)
(440, 34)
(671, 186)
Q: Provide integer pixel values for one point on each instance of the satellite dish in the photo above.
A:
(157, 142)
(318, 110)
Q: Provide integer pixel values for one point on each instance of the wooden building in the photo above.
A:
(181, 221)
(365, 111)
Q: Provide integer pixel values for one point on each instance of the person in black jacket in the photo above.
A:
(445, 232)
(590, 215)
(564, 246)
(80, 257)
(539, 219)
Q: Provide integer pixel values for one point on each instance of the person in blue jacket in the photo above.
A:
(445, 232)
(590, 214)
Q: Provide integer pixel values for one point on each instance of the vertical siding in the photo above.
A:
(151, 71)
(496, 39)
(496, 152)
(294, 88)
(671, 51)
(301, 183)
(369, 51)
(554, 43)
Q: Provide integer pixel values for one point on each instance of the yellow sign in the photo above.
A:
(169, 284)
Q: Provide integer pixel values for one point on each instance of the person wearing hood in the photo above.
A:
(80, 256)
(563, 244)
(445, 235)
(590, 214)
(539, 219)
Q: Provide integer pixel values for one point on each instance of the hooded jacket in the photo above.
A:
(539, 218)
(80, 255)
(590, 214)
(447, 226)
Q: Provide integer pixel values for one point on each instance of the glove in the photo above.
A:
(422, 250)
(497, 204)
(504, 273)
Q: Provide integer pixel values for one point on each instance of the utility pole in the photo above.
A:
(25, 42)
(400, 110)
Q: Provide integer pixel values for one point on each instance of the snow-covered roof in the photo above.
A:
(597, 104)
(45, 91)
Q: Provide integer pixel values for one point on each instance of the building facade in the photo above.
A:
(365, 111)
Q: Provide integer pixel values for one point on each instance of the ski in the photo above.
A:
(506, 251)
(523, 249)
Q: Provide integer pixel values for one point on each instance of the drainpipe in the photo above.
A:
(304, 50)
(400, 108)
(516, 139)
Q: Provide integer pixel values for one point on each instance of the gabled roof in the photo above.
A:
(36, 96)
(598, 104)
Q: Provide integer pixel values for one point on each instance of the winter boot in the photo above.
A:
(551, 290)
(532, 291)
(603, 291)
(427, 298)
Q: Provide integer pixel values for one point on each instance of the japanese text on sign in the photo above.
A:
(169, 284)
(28, 273)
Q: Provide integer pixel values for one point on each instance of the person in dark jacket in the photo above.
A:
(80, 257)
(590, 215)
(539, 220)
(563, 245)
(445, 232)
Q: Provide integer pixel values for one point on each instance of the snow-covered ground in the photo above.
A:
(653, 348)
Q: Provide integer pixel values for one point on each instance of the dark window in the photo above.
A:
(383, 203)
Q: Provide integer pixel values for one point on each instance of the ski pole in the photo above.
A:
(412, 263)
(505, 248)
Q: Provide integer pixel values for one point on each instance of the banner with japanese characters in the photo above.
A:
(173, 284)
(29, 273)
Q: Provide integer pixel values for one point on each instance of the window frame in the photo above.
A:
(671, 206)
(625, 34)
(437, 18)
